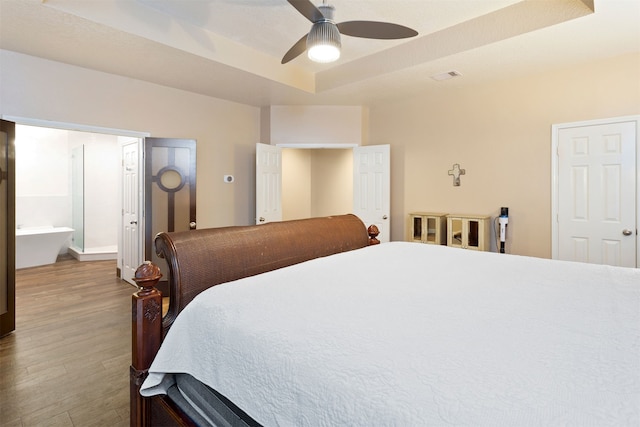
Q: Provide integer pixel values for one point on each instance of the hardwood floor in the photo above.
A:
(67, 363)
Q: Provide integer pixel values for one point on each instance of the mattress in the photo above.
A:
(412, 334)
(205, 406)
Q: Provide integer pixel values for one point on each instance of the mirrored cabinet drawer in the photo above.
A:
(468, 232)
(425, 227)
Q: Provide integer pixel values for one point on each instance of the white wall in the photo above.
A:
(43, 195)
(43, 182)
(101, 194)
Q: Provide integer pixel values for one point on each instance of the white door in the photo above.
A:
(131, 219)
(597, 193)
(268, 183)
(372, 187)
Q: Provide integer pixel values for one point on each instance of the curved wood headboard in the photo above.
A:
(200, 259)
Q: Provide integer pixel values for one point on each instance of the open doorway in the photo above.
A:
(316, 182)
(69, 176)
(319, 190)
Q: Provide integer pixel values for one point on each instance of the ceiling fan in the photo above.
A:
(322, 43)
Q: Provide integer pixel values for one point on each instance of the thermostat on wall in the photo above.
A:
(228, 179)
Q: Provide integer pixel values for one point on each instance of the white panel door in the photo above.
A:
(597, 194)
(372, 187)
(268, 183)
(131, 219)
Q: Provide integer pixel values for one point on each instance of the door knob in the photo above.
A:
(385, 217)
(133, 222)
(627, 232)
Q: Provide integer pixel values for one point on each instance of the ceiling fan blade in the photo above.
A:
(375, 30)
(296, 50)
(307, 9)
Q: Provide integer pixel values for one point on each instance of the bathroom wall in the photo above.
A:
(101, 192)
(43, 195)
(44, 189)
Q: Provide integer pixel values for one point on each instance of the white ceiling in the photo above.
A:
(231, 49)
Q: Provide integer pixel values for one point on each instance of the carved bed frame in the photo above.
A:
(200, 259)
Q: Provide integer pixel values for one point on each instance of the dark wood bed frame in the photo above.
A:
(200, 259)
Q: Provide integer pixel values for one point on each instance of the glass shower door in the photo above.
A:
(77, 196)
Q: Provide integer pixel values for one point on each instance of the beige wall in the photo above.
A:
(332, 182)
(226, 132)
(296, 183)
(316, 182)
(315, 125)
(501, 134)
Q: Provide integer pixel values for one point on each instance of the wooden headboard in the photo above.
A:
(200, 259)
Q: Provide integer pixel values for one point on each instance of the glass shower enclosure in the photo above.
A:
(77, 197)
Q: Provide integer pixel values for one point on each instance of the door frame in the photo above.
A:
(91, 129)
(8, 318)
(555, 131)
(380, 217)
(139, 256)
(301, 146)
(352, 147)
(265, 198)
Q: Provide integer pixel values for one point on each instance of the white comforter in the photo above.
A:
(405, 334)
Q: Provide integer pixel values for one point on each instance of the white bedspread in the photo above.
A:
(405, 334)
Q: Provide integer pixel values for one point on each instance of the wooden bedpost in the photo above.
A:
(373, 233)
(146, 336)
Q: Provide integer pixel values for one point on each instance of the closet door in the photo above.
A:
(268, 183)
(596, 192)
(372, 187)
(7, 228)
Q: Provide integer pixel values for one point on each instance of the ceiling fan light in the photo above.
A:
(323, 42)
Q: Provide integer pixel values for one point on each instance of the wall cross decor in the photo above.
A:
(456, 172)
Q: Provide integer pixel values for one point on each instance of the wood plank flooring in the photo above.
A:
(67, 363)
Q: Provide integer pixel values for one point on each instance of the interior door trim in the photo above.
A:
(555, 131)
(8, 319)
(150, 179)
(74, 126)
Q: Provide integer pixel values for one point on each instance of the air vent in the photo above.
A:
(446, 76)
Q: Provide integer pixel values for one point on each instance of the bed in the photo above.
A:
(307, 323)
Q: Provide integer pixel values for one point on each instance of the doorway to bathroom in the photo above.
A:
(67, 178)
(71, 176)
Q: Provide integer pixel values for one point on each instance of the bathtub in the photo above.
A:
(39, 245)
